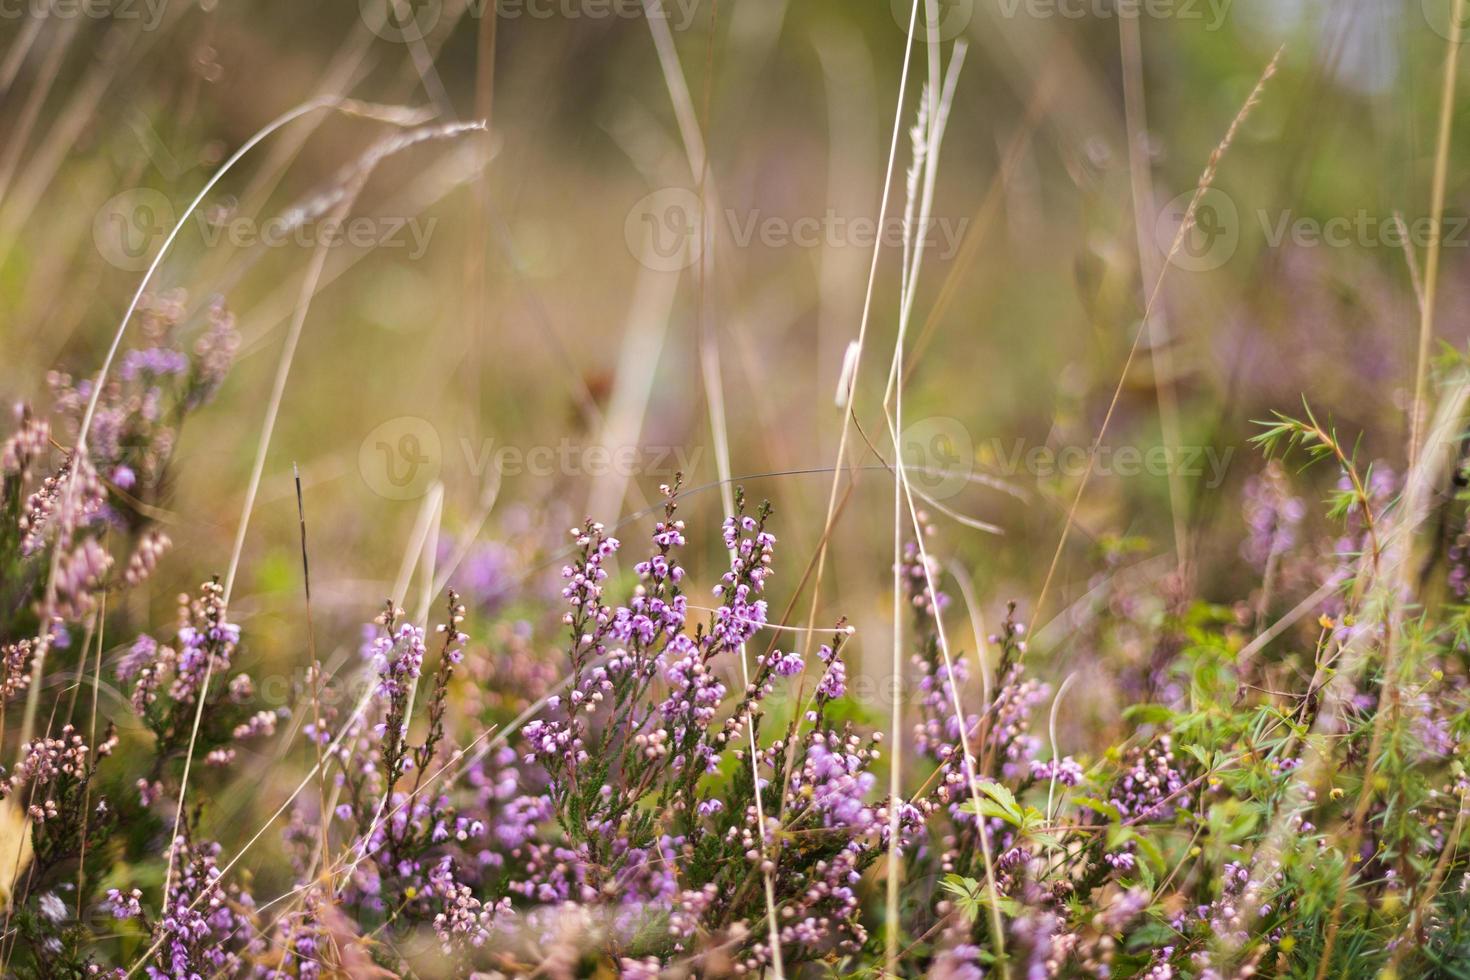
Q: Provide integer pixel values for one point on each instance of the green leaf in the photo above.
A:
(1200, 754)
(966, 892)
(989, 808)
(1149, 850)
(1148, 714)
(1000, 795)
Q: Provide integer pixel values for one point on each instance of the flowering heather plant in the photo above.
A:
(76, 525)
(621, 819)
(675, 794)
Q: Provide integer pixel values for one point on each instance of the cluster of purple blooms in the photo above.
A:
(1152, 785)
(50, 771)
(406, 842)
(206, 925)
(617, 822)
(78, 528)
(135, 426)
(63, 502)
(168, 680)
(1273, 516)
(656, 811)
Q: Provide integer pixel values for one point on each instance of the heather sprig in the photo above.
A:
(165, 682)
(651, 826)
(618, 826)
(74, 527)
(51, 800)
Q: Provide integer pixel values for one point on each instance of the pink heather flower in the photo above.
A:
(15, 661)
(122, 905)
(834, 681)
(261, 724)
(141, 654)
(30, 442)
(151, 547)
(1065, 770)
(786, 664)
(398, 660)
(208, 936)
(1151, 788)
(159, 362)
